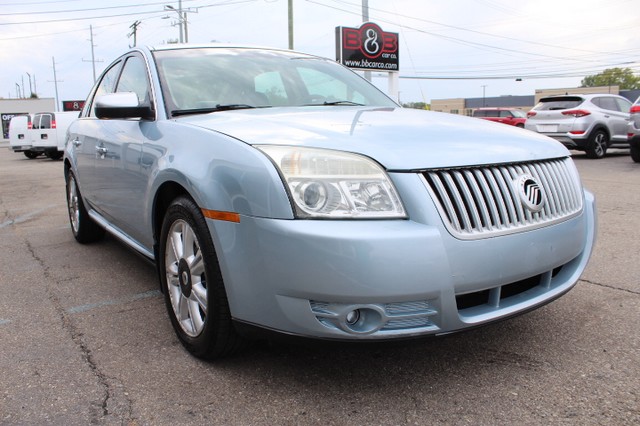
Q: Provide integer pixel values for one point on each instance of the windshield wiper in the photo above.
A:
(332, 103)
(342, 103)
(219, 107)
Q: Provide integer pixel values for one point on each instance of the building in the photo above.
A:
(11, 107)
(465, 106)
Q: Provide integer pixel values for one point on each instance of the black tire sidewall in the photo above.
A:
(211, 342)
(635, 154)
(88, 231)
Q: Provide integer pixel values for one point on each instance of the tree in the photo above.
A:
(622, 77)
(416, 105)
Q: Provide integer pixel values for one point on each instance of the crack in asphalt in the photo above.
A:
(76, 337)
(611, 287)
(23, 218)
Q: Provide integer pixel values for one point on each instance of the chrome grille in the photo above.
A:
(480, 202)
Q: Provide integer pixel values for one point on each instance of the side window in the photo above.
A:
(623, 104)
(506, 114)
(107, 85)
(134, 79)
(607, 103)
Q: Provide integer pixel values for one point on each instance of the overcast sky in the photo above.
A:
(463, 47)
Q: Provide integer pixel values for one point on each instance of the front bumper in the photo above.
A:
(403, 278)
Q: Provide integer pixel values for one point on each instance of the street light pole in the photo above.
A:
(182, 20)
(30, 87)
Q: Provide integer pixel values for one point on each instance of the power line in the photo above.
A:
(158, 13)
(458, 40)
(93, 9)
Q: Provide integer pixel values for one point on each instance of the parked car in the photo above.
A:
(49, 131)
(634, 131)
(511, 116)
(589, 123)
(282, 192)
(20, 136)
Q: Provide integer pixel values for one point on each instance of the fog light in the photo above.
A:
(353, 317)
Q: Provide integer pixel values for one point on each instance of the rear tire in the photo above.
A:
(84, 229)
(597, 144)
(192, 283)
(31, 154)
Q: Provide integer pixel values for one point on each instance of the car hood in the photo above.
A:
(398, 138)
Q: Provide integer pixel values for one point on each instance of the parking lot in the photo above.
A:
(85, 338)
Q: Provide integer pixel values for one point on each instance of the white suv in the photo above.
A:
(590, 123)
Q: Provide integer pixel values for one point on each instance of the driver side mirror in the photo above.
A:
(122, 105)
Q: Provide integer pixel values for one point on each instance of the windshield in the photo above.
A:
(211, 79)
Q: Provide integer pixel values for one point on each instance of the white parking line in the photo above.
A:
(133, 298)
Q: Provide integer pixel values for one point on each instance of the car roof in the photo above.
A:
(216, 46)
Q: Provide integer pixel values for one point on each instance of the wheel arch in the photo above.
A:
(166, 193)
(604, 128)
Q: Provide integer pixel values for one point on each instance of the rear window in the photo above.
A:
(558, 103)
(42, 121)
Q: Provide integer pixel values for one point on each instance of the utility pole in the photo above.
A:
(134, 32)
(365, 18)
(290, 24)
(55, 81)
(93, 58)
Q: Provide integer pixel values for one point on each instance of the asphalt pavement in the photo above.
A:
(85, 338)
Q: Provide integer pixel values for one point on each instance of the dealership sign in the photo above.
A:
(367, 48)
(72, 105)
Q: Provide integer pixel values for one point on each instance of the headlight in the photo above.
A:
(335, 184)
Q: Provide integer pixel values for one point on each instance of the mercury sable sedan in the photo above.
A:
(281, 192)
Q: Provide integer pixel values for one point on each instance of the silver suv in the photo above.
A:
(590, 123)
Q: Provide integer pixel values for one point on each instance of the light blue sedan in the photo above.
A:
(281, 192)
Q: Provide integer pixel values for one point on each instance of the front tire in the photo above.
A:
(597, 144)
(84, 229)
(192, 283)
(55, 155)
(31, 154)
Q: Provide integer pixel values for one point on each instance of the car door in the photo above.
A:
(622, 119)
(84, 137)
(122, 179)
(616, 118)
